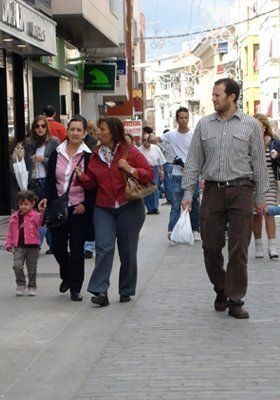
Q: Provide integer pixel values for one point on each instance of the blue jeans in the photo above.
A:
(273, 210)
(151, 201)
(123, 224)
(45, 232)
(175, 212)
(167, 181)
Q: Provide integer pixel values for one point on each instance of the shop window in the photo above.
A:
(76, 103)
(10, 102)
(63, 105)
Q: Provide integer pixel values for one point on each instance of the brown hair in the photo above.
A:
(265, 122)
(26, 195)
(32, 134)
(116, 128)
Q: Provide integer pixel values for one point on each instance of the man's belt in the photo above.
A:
(234, 182)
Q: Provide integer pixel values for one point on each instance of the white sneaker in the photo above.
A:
(272, 250)
(20, 290)
(31, 292)
(197, 237)
(259, 248)
(169, 235)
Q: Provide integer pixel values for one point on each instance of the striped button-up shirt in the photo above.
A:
(224, 150)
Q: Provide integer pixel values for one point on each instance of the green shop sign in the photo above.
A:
(100, 77)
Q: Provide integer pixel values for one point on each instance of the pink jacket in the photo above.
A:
(32, 222)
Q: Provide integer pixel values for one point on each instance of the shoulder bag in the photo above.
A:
(135, 190)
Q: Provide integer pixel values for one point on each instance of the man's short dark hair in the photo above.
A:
(231, 87)
(147, 129)
(181, 109)
(49, 110)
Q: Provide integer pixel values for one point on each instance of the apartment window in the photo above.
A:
(256, 51)
(162, 111)
(222, 48)
(165, 82)
(150, 103)
(246, 60)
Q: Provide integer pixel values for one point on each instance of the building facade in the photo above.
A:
(186, 79)
(25, 32)
(43, 46)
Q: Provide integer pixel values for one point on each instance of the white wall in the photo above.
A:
(89, 106)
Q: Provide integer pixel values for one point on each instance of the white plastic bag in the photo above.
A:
(21, 173)
(182, 232)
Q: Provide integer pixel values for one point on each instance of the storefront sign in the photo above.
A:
(133, 127)
(32, 28)
(121, 67)
(100, 77)
(12, 14)
(37, 31)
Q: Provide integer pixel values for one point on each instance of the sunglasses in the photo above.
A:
(37, 126)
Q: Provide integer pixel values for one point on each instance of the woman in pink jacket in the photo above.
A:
(24, 240)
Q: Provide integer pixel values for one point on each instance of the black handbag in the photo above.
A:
(57, 209)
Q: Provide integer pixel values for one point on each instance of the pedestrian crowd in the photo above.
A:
(224, 173)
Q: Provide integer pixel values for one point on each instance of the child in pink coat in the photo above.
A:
(24, 240)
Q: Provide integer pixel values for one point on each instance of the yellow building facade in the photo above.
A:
(250, 75)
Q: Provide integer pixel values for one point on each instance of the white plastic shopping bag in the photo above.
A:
(21, 173)
(182, 232)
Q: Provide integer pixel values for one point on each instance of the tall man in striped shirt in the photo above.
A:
(228, 151)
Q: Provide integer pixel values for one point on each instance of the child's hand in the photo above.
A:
(274, 153)
(9, 249)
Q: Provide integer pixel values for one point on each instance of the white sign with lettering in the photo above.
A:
(37, 31)
(12, 14)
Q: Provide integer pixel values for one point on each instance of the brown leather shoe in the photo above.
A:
(236, 310)
(221, 302)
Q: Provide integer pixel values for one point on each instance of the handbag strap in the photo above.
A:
(72, 175)
(125, 155)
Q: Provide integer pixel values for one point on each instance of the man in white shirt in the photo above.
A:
(180, 141)
(155, 157)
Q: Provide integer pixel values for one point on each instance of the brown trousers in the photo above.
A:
(30, 257)
(230, 205)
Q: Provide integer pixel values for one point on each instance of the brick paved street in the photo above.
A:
(168, 343)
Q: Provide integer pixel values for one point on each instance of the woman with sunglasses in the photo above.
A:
(38, 147)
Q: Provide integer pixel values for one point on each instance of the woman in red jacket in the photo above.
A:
(114, 216)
